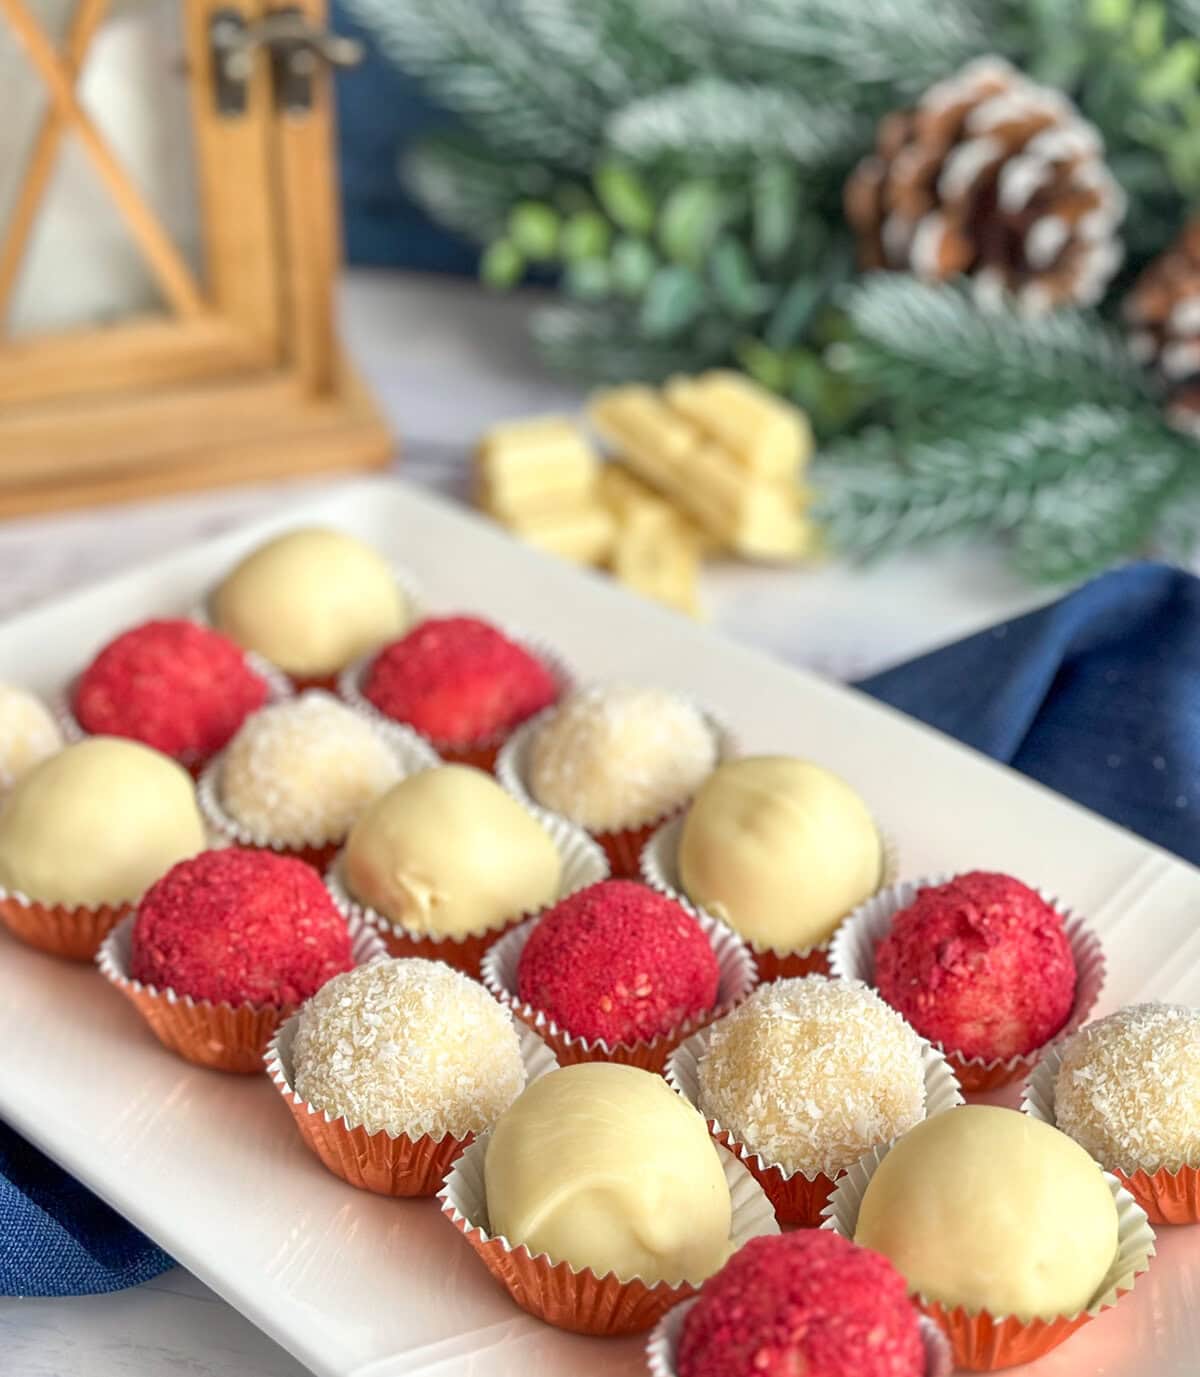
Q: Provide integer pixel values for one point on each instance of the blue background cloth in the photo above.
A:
(1097, 696)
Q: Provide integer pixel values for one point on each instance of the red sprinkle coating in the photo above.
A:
(458, 681)
(804, 1304)
(175, 685)
(239, 926)
(981, 965)
(619, 962)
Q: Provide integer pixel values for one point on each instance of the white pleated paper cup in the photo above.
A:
(221, 1036)
(410, 752)
(582, 862)
(485, 752)
(852, 956)
(499, 973)
(386, 1163)
(659, 867)
(662, 1348)
(798, 1197)
(1168, 1196)
(985, 1342)
(577, 1299)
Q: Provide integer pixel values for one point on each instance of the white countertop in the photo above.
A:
(445, 360)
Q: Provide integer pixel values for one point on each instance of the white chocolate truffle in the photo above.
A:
(992, 1210)
(616, 755)
(311, 601)
(811, 1073)
(447, 852)
(28, 734)
(410, 1047)
(98, 823)
(780, 849)
(1128, 1088)
(603, 1166)
(299, 772)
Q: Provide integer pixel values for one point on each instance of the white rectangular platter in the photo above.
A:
(358, 1286)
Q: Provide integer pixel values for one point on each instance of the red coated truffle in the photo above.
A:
(981, 965)
(175, 685)
(619, 962)
(810, 1303)
(458, 681)
(240, 926)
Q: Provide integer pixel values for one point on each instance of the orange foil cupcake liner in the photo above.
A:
(983, 1342)
(220, 1036)
(737, 980)
(852, 955)
(583, 864)
(580, 1300)
(71, 931)
(797, 1197)
(659, 867)
(382, 1162)
(1168, 1197)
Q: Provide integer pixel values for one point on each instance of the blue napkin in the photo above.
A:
(1097, 696)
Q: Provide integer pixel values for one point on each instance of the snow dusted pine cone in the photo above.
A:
(1162, 312)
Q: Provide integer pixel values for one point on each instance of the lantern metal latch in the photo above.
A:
(296, 48)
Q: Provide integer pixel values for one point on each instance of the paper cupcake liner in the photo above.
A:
(483, 754)
(583, 864)
(737, 979)
(1168, 1197)
(798, 1197)
(580, 1300)
(410, 752)
(382, 1162)
(659, 867)
(984, 1342)
(219, 1036)
(71, 931)
(623, 846)
(662, 1348)
(852, 955)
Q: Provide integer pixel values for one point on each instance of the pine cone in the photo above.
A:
(1162, 311)
(993, 176)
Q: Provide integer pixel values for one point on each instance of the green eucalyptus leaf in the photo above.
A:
(625, 197)
(585, 235)
(533, 227)
(1147, 33)
(794, 312)
(776, 200)
(501, 265)
(588, 279)
(1174, 76)
(1110, 14)
(674, 299)
(764, 364)
(691, 219)
(633, 264)
(734, 280)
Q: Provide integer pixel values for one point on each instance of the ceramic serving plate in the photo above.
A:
(358, 1286)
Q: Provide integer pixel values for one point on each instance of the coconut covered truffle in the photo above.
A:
(175, 685)
(28, 734)
(1128, 1088)
(408, 1046)
(239, 926)
(804, 1304)
(310, 602)
(618, 755)
(619, 962)
(459, 681)
(300, 772)
(810, 1073)
(981, 965)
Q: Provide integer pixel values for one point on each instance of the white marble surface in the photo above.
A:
(445, 361)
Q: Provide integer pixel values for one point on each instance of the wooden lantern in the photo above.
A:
(238, 377)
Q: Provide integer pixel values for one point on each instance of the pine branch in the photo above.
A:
(466, 185)
(604, 343)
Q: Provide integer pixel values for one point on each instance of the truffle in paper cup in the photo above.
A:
(737, 979)
(659, 865)
(583, 864)
(662, 1348)
(386, 1163)
(798, 1197)
(984, 1342)
(219, 1036)
(1168, 1197)
(623, 846)
(852, 956)
(74, 931)
(483, 754)
(580, 1300)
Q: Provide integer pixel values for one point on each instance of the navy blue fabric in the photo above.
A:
(1097, 696)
